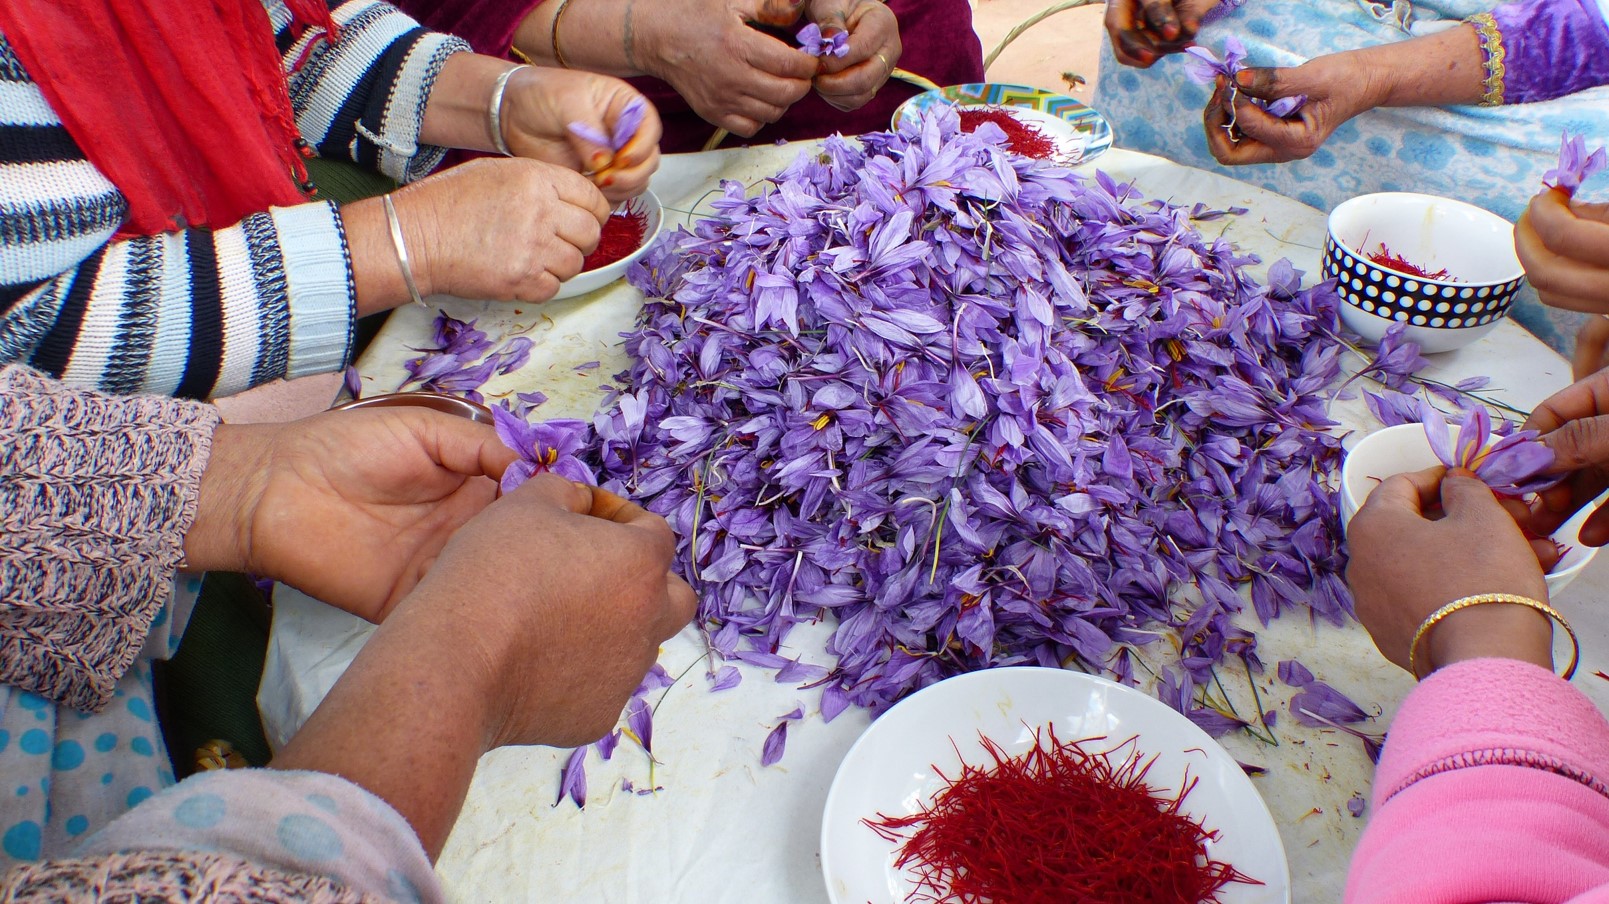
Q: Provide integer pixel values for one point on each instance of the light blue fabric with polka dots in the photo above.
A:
(65, 774)
(1490, 156)
(298, 822)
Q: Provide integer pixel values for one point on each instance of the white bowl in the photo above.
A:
(1404, 448)
(592, 280)
(1474, 246)
(891, 770)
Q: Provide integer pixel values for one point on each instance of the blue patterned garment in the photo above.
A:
(1490, 156)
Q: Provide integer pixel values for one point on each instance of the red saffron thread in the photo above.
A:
(1021, 137)
(1058, 823)
(1390, 261)
(622, 235)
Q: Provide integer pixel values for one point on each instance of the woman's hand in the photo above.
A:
(1574, 422)
(851, 81)
(1406, 566)
(540, 103)
(730, 74)
(505, 229)
(1337, 88)
(1144, 31)
(350, 507)
(1564, 245)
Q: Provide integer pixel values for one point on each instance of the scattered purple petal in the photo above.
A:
(725, 678)
(775, 743)
(573, 780)
(352, 382)
(640, 719)
(606, 745)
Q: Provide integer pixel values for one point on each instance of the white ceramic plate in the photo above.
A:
(890, 770)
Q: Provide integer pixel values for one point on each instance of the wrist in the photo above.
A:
(1495, 630)
(376, 270)
(231, 488)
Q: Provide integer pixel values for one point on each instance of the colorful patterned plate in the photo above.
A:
(1086, 129)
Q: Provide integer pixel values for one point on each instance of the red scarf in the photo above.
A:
(182, 104)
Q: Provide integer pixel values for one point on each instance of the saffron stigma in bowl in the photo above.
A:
(1021, 137)
(1386, 259)
(1063, 821)
(622, 234)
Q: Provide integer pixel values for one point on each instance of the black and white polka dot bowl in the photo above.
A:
(1468, 252)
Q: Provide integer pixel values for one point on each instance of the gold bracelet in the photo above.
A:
(558, 55)
(1466, 602)
(401, 248)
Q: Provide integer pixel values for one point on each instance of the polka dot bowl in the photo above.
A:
(1469, 253)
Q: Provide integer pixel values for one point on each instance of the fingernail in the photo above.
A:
(607, 181)
(1243, 78)
(599, 159)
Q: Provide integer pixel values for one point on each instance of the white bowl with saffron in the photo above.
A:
(1405, 448)
(1446, 268)
(652, 213)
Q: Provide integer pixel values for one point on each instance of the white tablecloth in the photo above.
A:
(724, 829)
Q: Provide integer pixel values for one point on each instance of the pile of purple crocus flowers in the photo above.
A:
(978, 410)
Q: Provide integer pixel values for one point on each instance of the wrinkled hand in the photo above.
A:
(1564, 245)
(730, 74)
(1144, 31)
(851, 81)
(559, 596)
(508, 229)
(350, 507)
(541, 102)
(1336, 90)
(1574, 422)
(1405, 566)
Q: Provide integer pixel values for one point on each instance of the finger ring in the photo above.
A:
(886, 64)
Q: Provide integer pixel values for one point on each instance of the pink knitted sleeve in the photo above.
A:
(1491, 788)
(96, 493)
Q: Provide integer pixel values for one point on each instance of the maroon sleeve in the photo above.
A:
(488, 25)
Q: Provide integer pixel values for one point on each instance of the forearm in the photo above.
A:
(367, 728)
(1435, 70)
(459, 111)
(596, 35)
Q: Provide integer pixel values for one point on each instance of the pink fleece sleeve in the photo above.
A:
(1491, 788)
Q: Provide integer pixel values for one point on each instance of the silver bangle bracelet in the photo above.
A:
(494, 115)
(401, 248)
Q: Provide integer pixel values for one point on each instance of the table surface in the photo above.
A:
(725, 829)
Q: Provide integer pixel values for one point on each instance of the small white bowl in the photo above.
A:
(1474, 246)
(1404, 448)
(591, 280)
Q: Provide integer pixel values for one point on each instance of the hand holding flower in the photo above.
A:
(1564, 245)
(1574, 423)
(848, 81)
(594, 124)
(1333, 89)
(1406, 565)
(351, 507)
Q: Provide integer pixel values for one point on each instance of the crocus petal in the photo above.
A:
(573, 780)
(628, 122)
(1437, 432)
(590, 134)
(775, 743)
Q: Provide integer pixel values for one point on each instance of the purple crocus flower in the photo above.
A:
(352, 382)
(542, 446)
(1575, 164)
(814, 42)
(1205, 67)
(625, 127)
(1513, 465)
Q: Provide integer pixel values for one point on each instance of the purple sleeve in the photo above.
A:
(1545, 49)
(1491, 788)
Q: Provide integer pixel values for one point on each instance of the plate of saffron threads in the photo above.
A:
(1027, 785)
(627, 235)
(1037, 123)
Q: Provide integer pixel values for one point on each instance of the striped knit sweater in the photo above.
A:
(204, 312)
